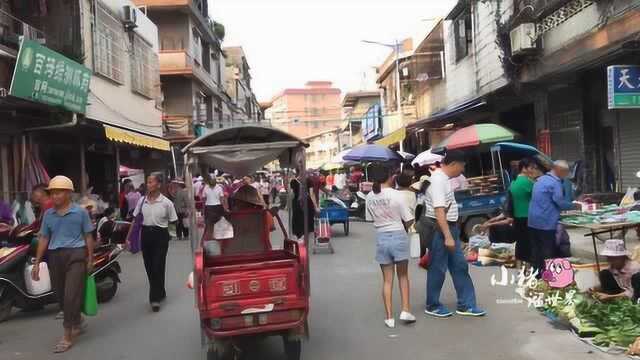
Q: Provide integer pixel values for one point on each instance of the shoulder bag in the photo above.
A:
(134, 240)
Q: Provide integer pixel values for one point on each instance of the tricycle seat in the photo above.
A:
(251, 229)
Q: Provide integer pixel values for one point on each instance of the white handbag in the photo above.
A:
(222, 230)
(414, 238)
(41, 286)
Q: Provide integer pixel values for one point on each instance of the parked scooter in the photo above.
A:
(17, 254)
(358, 205)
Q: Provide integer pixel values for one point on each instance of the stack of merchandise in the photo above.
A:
(484, 185)
(611, 214)
(482, 252)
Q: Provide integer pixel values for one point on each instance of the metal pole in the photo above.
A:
(398, 92)
(116, 150)
(175, 167)
(398, 102)
(350, 134)
(83, 179)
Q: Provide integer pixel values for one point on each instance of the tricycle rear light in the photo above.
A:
(248, 320)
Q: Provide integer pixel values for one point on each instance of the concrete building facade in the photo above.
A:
(307, 111)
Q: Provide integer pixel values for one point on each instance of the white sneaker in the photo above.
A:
(407, 317)
(391, 323)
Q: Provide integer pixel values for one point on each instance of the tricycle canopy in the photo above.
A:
(245, 149)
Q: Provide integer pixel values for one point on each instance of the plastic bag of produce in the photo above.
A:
(628, 199)
(479, 242)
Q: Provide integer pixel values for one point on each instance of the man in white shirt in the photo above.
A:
(445, 249)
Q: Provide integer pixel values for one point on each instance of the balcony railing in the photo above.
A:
(179, 62)
(178, 128)
(197, 8)
(13, 29)
(538, 9)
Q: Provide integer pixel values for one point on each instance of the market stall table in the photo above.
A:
(599, 228)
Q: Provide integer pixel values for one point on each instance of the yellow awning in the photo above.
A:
(393, 138)
(133, 138)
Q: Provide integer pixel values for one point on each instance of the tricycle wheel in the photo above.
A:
(346, 228)
(6, 303)
(221, 353)
(292, 348)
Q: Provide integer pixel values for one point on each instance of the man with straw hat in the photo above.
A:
(622, 278)
(65, 235)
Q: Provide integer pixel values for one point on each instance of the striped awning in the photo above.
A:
(133, 138)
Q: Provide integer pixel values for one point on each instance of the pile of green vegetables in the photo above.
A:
(615, 323)
(618, 321)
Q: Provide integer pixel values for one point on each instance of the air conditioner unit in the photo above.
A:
(129, 17)
(523, 39)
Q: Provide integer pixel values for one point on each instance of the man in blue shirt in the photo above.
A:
(547, 201)
(65, 235)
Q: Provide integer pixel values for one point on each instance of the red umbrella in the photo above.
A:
(475, 135)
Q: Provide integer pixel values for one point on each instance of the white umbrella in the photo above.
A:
(406, 155)
(339, 158)
(426, 158)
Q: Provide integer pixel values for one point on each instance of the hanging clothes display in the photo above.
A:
(33, 171)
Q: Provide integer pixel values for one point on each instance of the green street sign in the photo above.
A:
(42, 75)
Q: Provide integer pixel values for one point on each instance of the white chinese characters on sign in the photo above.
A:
(624, 80)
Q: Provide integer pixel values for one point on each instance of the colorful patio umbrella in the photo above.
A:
(475, 135)
(372, 153)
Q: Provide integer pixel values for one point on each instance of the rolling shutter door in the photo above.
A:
(629, 148)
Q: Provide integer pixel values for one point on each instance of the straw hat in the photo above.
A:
(60, 182)
(249, 194)
(614, 248)
(418, 185)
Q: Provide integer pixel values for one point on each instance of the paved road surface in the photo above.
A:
(346, 319)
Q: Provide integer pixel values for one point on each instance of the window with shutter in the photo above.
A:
(463, 35)
(145, 75)
(109, 48)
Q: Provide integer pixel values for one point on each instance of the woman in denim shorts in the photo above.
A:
(390, 214)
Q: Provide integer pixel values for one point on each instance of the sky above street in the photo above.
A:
(288, 42)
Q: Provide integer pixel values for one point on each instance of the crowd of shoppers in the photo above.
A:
(530, 218)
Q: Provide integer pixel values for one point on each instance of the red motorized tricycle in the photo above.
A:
(245, 287)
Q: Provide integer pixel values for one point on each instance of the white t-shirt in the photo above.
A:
(458, 183)
(388, 210)
(264, 187)
(440, 194)
(213, 195)
(341, 181)
(410, 200)
(157, 213)
(197, 187)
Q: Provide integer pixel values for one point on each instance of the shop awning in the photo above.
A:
(393, 138)
(452, 111)
(133, 138)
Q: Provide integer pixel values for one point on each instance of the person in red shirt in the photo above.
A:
(356, 176)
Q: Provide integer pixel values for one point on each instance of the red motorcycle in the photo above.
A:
(17, 251)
